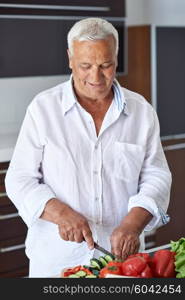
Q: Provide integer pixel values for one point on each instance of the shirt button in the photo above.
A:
(95, 172)
(96, 198)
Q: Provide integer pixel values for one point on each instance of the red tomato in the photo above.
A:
(146, 256)
(116, 270)
(114, 263)
(133, 266)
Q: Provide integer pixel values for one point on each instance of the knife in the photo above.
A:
(96, 246)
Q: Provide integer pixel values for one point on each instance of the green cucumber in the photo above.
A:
(109, 258)
(95, 263)
(103, 261)
(91, 276)
(87, 267)
(81, 273)
(95, 272)
(73, 276)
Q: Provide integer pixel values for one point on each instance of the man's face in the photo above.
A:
(93, 65)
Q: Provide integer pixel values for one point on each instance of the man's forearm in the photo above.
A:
(72, 225)
(137, 219)
(53, 210)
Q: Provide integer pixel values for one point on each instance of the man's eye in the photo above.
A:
(106, 66)
(85, 66)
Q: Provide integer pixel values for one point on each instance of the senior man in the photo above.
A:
(88, 164)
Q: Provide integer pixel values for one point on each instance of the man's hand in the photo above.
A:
(124, 242)
(125, 238)
(72, 225)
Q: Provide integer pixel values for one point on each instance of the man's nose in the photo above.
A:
(96, 75)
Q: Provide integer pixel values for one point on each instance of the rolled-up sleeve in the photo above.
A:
(23, 181)
(154, 181)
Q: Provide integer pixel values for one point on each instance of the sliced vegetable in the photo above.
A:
(95, 272)
(87, 267)
(109, 257)
(73, 276)
(114, 263)
(146, 273)
(96, 263)
(86, 270)
(76, 269)
(81, 273)
(164, 263)
(110, 270)
(146, 256)
(103, 261)
(67, 273)
(91, 276)
(136, 266)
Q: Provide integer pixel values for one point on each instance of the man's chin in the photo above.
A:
(96, 95)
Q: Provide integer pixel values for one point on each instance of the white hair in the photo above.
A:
(91, 29)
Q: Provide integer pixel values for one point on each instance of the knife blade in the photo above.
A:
(96, 246)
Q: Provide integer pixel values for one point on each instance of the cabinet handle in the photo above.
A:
(9, 216)
(3, 171)
(12, 248)
(57, 7)
(174, 147)
(3, 194)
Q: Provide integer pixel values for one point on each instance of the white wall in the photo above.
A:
(16, 94)
(135, 12)
(159, 12)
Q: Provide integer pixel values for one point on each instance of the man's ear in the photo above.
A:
(70, 58)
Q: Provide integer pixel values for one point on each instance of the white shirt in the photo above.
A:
(58, 154)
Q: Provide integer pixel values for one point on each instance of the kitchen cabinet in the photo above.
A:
(46, 25)
(152, 72)
(13, 261)
(175, 229)
(65, 7)
(138, 77)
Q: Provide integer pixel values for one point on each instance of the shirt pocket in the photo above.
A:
(128, 160)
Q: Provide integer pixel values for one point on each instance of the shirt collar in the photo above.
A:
(70, 98)
(119, 98)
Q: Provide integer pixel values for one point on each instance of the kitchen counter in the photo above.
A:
(7, 144)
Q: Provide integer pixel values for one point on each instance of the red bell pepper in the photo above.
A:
(163, 263)
(147, 272)
(136, 266)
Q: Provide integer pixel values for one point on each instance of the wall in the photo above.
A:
(135, 12)
(160, 12)
(16, 94)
